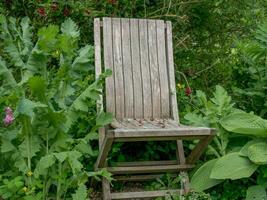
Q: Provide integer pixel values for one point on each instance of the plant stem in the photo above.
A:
(27, 132)
(59, 181)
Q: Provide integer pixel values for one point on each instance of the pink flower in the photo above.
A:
(188, 91)
(9, 116)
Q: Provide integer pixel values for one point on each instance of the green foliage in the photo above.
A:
(256, 192)
(52, 91)
(233, 166)
(245, 123)
(202, 180)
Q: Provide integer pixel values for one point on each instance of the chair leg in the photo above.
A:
(106, 189)
(181, 160)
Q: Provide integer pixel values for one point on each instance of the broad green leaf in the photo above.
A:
(245, 123)
(233, 166)
(44, 163)
(80, 193)
(244, 150)
(26, 107)
(257, 153)
(256, 192)
(201, 179)
(69, 27)
(30, 148)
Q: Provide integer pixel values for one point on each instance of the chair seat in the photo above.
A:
(167, 129)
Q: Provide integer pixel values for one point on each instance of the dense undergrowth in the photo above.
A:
(48, 137)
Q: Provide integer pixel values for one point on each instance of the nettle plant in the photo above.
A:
(47, 96)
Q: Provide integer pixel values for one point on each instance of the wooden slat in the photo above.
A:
(147, 97)
(163, 72)
(127, 67)
(148, 169)
(143, 177)
(199, 149)
(154, 69)
(146, 163)
(169, 50)
(118, 68)
(146, 194)
(104, 150)
(108, 62)
(98, 71)
(137, 73)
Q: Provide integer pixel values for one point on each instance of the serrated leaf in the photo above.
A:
(256, 192)
(69, 27)
(233, 166)
(201, 179)
(26, 107)
(85, 148)
(195, 119)
(44, 163)
(81, 63)
(6, 75)
(38, 86)
(75, 164)
(80, 193)
(104, 119)
(30, 149)
(26, 32)
(6, 146)
(61, 157)
(47, 38)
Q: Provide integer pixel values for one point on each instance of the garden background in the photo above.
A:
(48, 93)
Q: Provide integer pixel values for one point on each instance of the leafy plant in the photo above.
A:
(238, 164)
(47, 84)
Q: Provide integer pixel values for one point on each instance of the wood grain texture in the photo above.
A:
(108, 62)
(118, 68)
(154, 69)
(127, 68)
(163, 70)
(145, 66)
(148, 169)
(137, 71)
(98, 71)
(169, 50)
(146, 194)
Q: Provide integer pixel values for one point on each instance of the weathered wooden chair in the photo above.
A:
(141, 94)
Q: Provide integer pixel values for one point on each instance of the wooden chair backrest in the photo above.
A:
(139, 53)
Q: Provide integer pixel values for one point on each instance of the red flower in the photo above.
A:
(54, 6)
(66, 12)
(188, 91)
(41, 11)
(112, 1)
